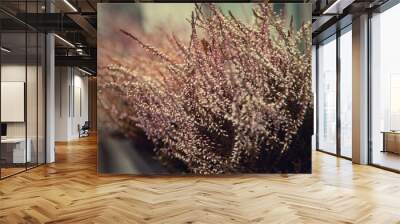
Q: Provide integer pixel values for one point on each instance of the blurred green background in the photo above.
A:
(149, 16)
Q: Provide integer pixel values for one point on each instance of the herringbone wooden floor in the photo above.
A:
(70, 191)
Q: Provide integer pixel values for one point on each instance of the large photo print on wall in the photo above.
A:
(204, 89)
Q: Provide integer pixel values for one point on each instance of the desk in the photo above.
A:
(391, 141)
(16, 147)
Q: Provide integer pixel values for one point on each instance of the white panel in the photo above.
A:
(77, 112)
(12, 101)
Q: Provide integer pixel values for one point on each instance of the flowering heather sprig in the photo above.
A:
(219, 103)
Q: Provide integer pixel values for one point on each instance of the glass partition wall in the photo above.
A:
(385, 89)
(334, 93)
(22, 98)
(13, 89)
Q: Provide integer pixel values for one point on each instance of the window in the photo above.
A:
(346, 93)
(327, 95)
(385, 89)
(334, 109)
(314, 89)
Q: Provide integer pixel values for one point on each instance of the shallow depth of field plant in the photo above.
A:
(236, 98)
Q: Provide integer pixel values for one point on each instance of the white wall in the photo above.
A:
(71, 102)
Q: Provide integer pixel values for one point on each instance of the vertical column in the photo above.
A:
(50, 92)
(92, 100)
(62, 103)
(338, 99)
(360, 90)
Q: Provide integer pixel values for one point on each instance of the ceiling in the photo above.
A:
(75, 22)
(332, 15)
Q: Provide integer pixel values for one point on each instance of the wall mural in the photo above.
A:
(204, 88)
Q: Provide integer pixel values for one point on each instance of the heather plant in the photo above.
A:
(233, 97)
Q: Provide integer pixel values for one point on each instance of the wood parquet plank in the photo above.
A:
(70, 191)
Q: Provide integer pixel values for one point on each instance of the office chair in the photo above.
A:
(84, 130)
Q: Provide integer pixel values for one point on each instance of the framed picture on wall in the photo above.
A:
(205, 89)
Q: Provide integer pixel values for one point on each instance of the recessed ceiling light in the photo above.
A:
(64, 40)
(70, 5)
(337, 7)
(84, 71)
(5, 50)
